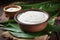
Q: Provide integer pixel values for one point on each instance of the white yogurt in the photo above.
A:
(32, 17)
(12, 9)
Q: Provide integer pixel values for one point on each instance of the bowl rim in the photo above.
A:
(4, 9)
(15, 17)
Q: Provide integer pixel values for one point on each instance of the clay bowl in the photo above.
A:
(11, 14)
(32, 27)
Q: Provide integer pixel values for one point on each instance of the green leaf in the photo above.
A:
(51, 7)
(51, 20)
(16, 31)
(9, 21)
(13, 27)
(55, 28)
(22, 35)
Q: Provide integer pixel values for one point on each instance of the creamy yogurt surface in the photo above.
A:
(12, 9)
(32, 17)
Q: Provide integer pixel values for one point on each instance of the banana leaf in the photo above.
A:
(13, 27)
(54, 27)
(51, 20)
(15, 30)
(51, 7)
(9, 21)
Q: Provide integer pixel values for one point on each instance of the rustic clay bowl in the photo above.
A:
(32, 27)
(11, 14)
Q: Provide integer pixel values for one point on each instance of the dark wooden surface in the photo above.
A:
(54, 36)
